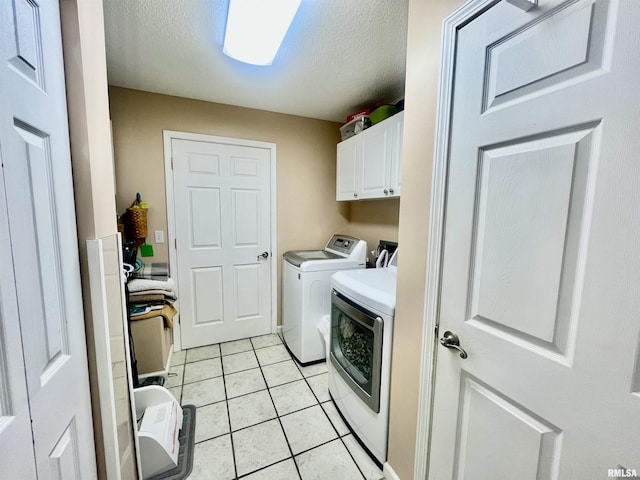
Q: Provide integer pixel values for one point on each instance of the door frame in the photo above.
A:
(428, 357)
(168, 136)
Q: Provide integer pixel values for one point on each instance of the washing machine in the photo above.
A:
(361, 333)
(306, 293)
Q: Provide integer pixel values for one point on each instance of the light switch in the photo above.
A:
(159, 236)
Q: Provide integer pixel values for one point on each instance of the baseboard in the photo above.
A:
(388, 472)
(279, 330)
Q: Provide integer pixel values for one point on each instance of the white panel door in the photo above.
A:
(222, 195)
(16, 441)
(39, 271)
(541, 266)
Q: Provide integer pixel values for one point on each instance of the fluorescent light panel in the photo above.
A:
(256, 28)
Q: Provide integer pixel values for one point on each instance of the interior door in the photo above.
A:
(541, 271)
(222, 195)
(16, 442)
(42, 328)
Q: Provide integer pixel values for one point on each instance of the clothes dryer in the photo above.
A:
(362, 312)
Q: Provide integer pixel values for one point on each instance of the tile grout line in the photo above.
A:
(278, 416)
(184, 382)
(330, 422)
(295, 464)
(316, 397)
(265, 467)
(351, 455)
(328, 419)
(226, 403)
(256, 391)
(263, 421)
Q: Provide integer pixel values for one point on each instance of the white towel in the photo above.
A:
(140, 284)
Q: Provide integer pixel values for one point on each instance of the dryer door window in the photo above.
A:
(356, 348)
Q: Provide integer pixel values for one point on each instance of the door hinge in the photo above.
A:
(175, 243)
(171, 163)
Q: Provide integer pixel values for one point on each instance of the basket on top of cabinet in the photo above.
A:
(369, 164)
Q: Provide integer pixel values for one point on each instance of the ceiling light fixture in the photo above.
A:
(256, 28)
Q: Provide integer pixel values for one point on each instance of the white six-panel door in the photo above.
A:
(222, 196)
(47, 427)
(16, 443)
(541, 264)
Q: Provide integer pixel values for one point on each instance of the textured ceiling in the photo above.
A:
(339, 55)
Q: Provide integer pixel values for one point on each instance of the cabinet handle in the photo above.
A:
(355, 194)
(386, 192)
(391, 191)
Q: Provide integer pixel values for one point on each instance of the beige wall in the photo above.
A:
(423, 56)
(307, 212)
(374, 220)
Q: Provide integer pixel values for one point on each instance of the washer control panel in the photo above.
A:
(342, 243)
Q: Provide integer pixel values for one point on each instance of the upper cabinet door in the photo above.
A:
(347, 167)
(376, 150)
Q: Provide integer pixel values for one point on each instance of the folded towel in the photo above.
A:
(168, 294)
(146, 297)
(140, 284)
(153, 271)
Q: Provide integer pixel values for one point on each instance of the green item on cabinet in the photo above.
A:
(382, 113)
(146, 250)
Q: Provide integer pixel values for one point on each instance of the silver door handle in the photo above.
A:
(391, 191)
(263, 255)
(525, 5)
(451, 340)
(355, 194)
(386, 192)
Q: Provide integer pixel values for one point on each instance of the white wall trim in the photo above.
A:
(168, 136)
(389, 473)
(127, 352)
(450, 27)
(104, 366)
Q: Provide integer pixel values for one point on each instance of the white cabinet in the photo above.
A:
(369, 164)
(347, 169)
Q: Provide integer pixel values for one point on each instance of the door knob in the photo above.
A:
(391, 191)
(263, 255)
(385, 191)
(451, 340)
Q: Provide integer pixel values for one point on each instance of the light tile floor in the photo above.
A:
(262, 416)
